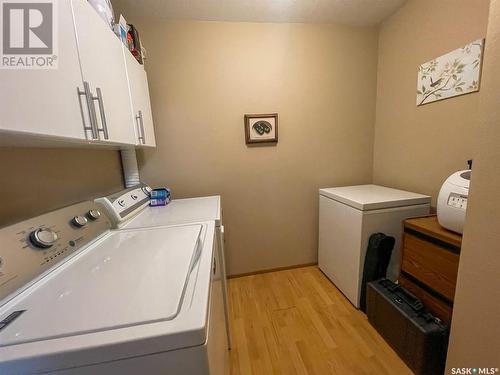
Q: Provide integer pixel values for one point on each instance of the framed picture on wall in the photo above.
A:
(455, 73)
(261, 128)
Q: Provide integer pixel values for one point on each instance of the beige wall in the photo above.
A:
(34, 181)
(475, 333)
(204, 76)
(417, 148)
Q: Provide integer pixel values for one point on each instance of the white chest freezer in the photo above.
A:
(348, 216)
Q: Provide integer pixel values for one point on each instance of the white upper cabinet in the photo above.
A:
(46, 101)
(103, 68)
(89, 97)
(142, 117)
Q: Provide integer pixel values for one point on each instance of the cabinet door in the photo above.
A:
(45, 102)
(102, 65)
(140, 101)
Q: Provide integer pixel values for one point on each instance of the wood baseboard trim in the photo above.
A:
(271, 270)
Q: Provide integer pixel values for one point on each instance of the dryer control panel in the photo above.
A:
(126, 203)
(32, 247)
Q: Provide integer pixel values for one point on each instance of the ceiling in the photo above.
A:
(350, 12)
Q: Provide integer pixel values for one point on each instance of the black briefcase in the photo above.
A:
(418, 337)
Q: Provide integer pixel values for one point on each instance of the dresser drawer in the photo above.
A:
(433, 265)
(436, 306)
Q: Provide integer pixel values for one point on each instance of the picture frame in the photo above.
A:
(453, 74)
(261, 129)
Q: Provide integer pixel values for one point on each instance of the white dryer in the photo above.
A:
(130, 209)
(77, 298)
(348, 216)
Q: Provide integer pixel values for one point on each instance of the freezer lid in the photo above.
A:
(130, 277)
(374, 197)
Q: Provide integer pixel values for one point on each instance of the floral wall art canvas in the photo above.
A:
(456, 73)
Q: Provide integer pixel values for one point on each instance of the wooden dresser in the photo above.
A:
(429, 264)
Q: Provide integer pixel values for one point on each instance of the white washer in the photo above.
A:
(348, 216)
(130, 209)
(77, 298)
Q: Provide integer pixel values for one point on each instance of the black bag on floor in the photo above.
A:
(378, 256)
(418, 337)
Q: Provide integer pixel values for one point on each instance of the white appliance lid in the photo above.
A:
(178, 211)
(460, 179)
(374, 197)
(128, 278)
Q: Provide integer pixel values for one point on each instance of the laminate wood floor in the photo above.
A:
(297, 322)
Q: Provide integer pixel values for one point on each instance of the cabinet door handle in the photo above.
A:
(102, 112)
(90, 109)
(137, 122)
(142, 134)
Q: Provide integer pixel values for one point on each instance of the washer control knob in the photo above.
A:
(94, 214)
(43, 238)
(79, 221)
